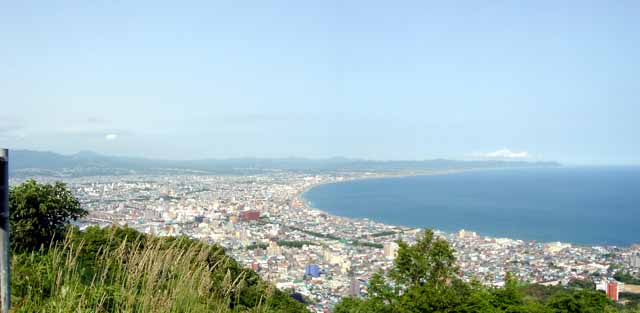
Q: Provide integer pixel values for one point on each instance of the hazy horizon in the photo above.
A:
(542, 81)
(90, 152)
(630, 165)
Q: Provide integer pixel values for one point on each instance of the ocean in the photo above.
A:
(580, 205)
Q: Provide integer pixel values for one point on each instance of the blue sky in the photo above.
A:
(541, 80)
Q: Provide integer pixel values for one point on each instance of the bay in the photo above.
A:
(580, 205)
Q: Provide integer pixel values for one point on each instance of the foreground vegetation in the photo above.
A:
(424, 278)
(58, 268)
(121, 270)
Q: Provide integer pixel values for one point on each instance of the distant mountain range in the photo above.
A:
(27, 162)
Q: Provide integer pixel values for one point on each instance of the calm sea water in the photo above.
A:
(590, 206)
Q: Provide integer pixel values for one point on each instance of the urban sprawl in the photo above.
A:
(263, 222)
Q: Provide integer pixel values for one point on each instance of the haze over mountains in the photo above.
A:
(27, 162)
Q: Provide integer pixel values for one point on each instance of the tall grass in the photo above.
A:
(142, 274)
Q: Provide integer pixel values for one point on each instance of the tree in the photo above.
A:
(429, 262)
(509, 295)
(424, 279)
(582, 284)
(579, 301)
(39, 213)
(626, 278)
(350, 305)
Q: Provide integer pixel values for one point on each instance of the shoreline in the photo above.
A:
(415, 174)
(307, 206)
(300, 196)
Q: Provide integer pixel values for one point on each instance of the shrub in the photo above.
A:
(39, 213)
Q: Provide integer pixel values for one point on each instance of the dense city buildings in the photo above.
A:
(262, 221)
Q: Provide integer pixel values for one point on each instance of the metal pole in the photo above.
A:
(5, 269)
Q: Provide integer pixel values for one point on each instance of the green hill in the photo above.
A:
(121, 270)
(58, 268)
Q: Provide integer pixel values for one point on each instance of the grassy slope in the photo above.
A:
(121, 270)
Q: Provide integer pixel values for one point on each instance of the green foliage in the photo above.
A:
(58, 268)
(509, 296)
(121, 270)
(424, 279)
(316, 234)
(429, 262)
(333, 237)
(540, 292)
(631, 299)
(257, 246)
(582, 283)
(384, 233)
(39, 213)
(582, 301)
(626, 278)
(376, 245)
(350, 305)
(294, 243)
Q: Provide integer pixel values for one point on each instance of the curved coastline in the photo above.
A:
(300, 196)
(306, 202)
(403, 175)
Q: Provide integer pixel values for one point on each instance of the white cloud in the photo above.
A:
(504, 154)
(111, 137)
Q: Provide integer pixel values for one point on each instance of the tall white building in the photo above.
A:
(634, 260)
(390, 250)
(273, 249)
(462, 234)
